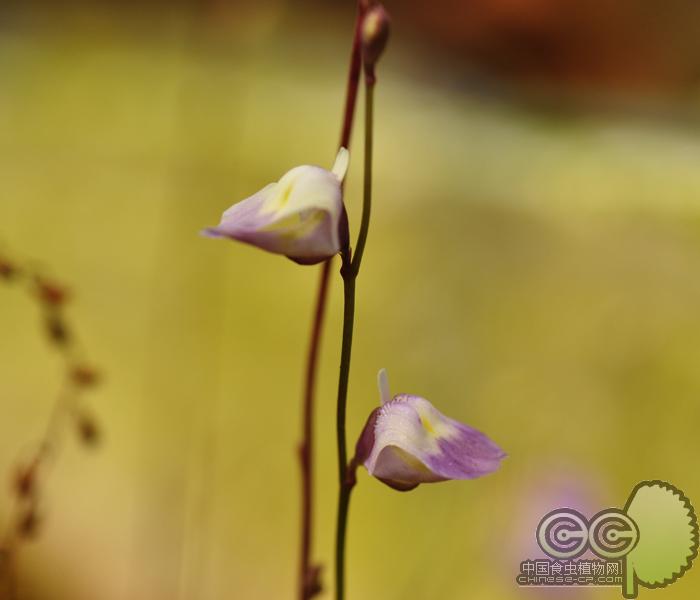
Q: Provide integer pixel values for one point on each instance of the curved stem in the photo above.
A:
(350, 271)
(367, 191)
(307, 586)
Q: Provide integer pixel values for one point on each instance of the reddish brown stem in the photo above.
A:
(353, 79)
(308, 584)
(307, 574)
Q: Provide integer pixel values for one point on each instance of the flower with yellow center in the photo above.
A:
(300, 216)
(407, 441)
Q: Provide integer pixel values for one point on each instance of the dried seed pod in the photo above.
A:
(56, 329)
(84, 376)
(313, 585)
(7, 269)
(25, 481)
(51, 293)
(88, 430)
(28, 524)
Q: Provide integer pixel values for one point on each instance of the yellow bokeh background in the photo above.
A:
(533, 274)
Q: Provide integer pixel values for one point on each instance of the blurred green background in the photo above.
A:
(532, 269)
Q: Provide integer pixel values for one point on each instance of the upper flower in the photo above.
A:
(300, 216)
(407, 441)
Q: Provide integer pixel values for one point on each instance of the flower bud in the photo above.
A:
(375, 34)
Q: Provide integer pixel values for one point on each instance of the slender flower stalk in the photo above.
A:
(375, 30)
(367, 186)
(349, 271)
(345, 484)
(309, 583)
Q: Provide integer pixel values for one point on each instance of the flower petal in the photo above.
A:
(299, 216)
(242, 219)
(407, 441)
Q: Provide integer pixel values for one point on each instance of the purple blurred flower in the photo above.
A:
(301, 216)
(407, 441)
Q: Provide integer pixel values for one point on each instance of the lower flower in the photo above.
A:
(407, 441)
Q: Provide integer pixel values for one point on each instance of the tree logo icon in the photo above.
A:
(668, 537)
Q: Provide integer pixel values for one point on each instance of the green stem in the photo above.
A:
(345, 488)
(307, 587)
(350, 270)
(367, 190)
